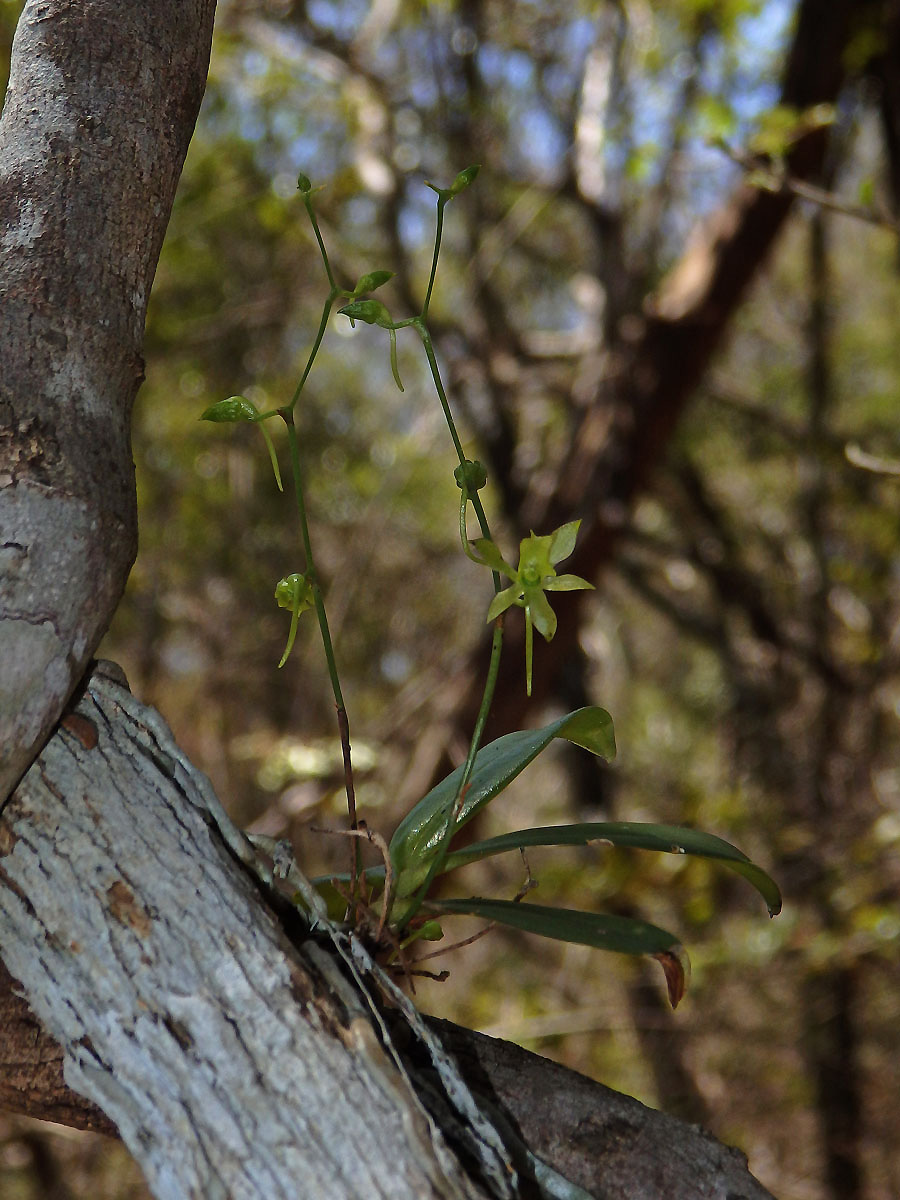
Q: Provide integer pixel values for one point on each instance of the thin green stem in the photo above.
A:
(323, 325)
(497, 639)
(313, 579)
(441, 205)
(307, 203)
(329, 303)
(422, 329)
(440, 857)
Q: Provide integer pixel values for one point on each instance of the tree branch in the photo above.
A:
(663, 353)
(236, 1060)
(101, 105)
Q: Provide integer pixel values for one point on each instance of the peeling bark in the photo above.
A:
(228, 1059)
(236, 1054)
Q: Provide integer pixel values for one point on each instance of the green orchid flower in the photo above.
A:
(296, 593)
(536, 575)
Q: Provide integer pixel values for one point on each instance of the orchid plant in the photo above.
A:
(393, 904)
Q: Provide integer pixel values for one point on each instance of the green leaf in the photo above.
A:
(624, 935)
(463, 179)
(669, 839)
(235, 408)
(370, 281)
(372, 312)
(419, 834)
(562, 541)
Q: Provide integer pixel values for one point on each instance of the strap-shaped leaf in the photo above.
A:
(672, 839)
(419, 834)
(624, 935)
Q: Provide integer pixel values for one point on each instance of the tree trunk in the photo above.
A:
(240, 1053)
(101, 105)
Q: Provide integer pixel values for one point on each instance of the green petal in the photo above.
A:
(534, 558)
(493, 558)
(372, 312)
(567, 583)
(504, 600)
(562, 541)
(541, 613)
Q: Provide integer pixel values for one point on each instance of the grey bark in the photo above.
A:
(232, 1064)
(101, 105)
(239, 1061)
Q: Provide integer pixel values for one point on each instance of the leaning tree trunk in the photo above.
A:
(240, 1053)
(149, 954)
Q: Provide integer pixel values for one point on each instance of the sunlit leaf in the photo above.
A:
(419, 834)
(235, 408)
(671, 839)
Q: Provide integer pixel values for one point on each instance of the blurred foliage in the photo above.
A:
(746, 636)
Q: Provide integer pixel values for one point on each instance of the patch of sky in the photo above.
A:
(389, 60)
(284, 124)
(251, 127)
(554, 309)
(303, 152)
(254, 63)
(361, 212)
(423, 89)
(743, 70)
(541, 140)
(560, 81)
(416, 222)
(342, 19)
(498, 65)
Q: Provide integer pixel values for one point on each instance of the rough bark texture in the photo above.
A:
(101, 105)
(235, 1061)
(229, 1061)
